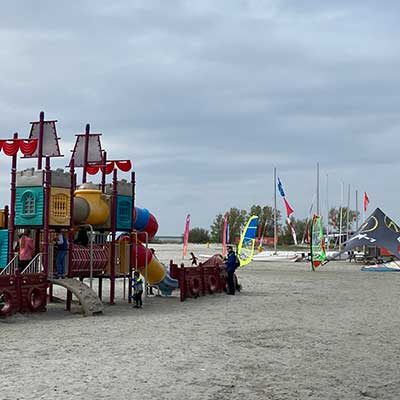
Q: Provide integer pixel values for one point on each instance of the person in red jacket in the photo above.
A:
(26, 250)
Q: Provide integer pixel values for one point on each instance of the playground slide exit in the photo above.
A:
(156, 273)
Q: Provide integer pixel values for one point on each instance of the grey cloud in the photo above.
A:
(206, 97)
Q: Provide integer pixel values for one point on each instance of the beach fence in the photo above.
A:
(199, 281)
(22, 292)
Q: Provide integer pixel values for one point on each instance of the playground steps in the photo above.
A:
(91, 303)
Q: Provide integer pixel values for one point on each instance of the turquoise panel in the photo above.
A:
(124, 213)
(29, 206)
(3, 247)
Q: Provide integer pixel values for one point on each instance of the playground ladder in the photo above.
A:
(10, 268)
(35, 266)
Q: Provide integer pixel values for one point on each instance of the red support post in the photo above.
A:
(182, 282)
(39, 165)
(202, 280)
(18, 289)
(100, 288)
(40, 143)
(70, 232)
(103, 171)
(85, 153)
(47, 186)
(113, 229)
(133, 181)
(11, 227)
(71, 217)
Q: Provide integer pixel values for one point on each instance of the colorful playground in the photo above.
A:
(47, 201)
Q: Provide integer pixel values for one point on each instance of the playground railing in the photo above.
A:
(35, 266)
(11, 267)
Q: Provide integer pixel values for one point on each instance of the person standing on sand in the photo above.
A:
(26, 250)
(193, 259)
(137, 284)
(230, 265)
(62, 246)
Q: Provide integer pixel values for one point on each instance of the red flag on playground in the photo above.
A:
(289, 210)
(186, 236)
(366, 201)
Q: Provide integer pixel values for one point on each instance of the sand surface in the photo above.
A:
(291, 334)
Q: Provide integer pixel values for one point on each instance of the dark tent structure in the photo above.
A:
(378, 230)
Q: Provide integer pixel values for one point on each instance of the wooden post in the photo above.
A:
(70, 232)
(182, 282)
(47, 186)
(103, 171)
(113, 229)
(133, 181)
(100, 288)
(11, 227)
(85, 153)
(40, 144)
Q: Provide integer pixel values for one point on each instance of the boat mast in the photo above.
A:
(275, 216)
(327, 209)
(356, 210)
(317, 188)
(341, 216)
(348, 213)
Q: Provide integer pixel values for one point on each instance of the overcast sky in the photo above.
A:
(206, 97)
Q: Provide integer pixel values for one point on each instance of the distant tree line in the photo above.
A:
(237, 219)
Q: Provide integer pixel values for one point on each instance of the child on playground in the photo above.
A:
(26, 250)
(61, 243)
(137, 284)
(193, 259)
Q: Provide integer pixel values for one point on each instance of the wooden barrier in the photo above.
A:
(9, 298)
(23, 293)
(199, 281)
(33, 292)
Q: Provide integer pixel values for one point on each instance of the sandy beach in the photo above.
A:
(290, 334)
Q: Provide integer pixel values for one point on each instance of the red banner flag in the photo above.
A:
(366, 201)
(289, 210)
(186, 236)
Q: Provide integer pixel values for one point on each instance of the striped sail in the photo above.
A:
(247, 241)
(318, 254)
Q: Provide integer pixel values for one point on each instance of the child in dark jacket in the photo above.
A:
(137, 284)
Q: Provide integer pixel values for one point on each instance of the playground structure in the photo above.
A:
(45, 200)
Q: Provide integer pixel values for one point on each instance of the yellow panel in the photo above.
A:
(2, 219)
(60, 206)
(108, 267)
(123, 256)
